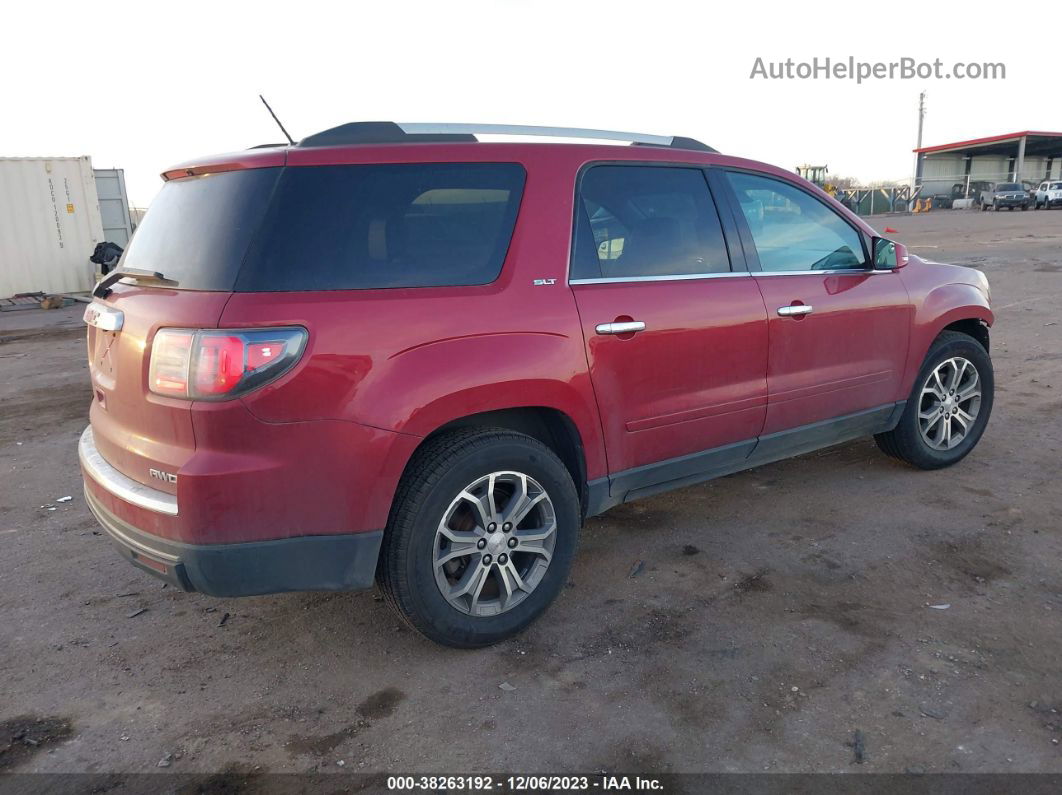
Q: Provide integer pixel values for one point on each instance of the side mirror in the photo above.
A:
(889, 255)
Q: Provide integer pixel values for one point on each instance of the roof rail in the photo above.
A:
(387, 132)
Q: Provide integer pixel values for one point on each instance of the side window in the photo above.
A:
(385, 225)
(792, 230)
(636, 221)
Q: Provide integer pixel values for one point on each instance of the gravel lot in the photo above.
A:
(777, 612)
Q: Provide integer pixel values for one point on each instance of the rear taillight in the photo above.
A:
(219, 364)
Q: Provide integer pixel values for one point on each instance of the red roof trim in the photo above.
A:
(990, 139)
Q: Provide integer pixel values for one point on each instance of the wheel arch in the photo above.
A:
(551, 426)
(972, 327)
(949, 307)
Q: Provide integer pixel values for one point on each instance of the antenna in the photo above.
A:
(281, 126)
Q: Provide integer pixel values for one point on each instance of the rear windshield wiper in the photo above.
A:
(103, 287)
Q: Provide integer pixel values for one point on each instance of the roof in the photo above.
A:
(355, 141)
(1049, 142)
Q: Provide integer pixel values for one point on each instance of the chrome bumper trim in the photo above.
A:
(118, 484)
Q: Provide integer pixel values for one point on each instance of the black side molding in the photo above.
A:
(632, 484)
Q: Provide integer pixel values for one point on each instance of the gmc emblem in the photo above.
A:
(166, 477)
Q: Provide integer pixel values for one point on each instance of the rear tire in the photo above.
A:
(919, 437)
(451, 565)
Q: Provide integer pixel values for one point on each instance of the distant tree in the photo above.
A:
(844, 183)
(841, 182)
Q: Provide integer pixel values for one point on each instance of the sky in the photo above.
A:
(144, 85)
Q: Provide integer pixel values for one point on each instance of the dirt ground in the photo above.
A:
(782, 618)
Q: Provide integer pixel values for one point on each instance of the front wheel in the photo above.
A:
(949, 406)
(481, 537)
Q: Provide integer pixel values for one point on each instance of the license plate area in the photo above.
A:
(105, 323)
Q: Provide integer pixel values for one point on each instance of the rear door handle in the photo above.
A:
(629, 327)
(792, 311)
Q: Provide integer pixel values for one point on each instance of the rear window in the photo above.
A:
(198, 229)
(332, 227)
(372, 226)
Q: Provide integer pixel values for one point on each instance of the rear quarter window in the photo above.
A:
(198, 228)
(378, 226)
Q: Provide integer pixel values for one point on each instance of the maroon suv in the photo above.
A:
(393, 352)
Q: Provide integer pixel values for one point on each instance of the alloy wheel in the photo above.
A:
(494, 543)
(949, 403)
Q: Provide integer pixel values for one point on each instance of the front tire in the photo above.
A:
(948, 408)
(481, 536)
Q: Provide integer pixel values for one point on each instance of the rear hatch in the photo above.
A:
(195, 235)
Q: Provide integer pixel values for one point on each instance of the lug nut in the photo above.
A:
(512, 543)
(503, 558)
(481, 543)
(507, 527)
(486, 560)
(492, 527)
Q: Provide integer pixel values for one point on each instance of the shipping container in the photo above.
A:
(49, 224)
(114, 205)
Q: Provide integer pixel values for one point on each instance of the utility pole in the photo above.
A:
(919, 157)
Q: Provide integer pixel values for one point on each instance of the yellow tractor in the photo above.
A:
(817, 175)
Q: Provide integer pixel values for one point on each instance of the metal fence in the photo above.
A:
(875, 200)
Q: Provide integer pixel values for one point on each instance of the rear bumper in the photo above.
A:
(306, 563)
(95, 466)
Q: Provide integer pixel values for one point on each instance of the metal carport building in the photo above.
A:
(1011, 157)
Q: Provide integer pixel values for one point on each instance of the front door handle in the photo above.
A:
(629, 327)
(795, 310)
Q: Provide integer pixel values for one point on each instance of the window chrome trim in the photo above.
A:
(827, 271)
(680, 277)
(121, 486)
